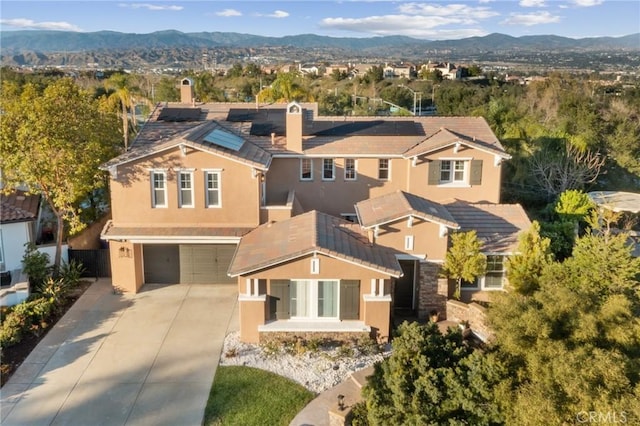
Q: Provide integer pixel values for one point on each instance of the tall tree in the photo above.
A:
(524, 267)
(52, 142)
(118, 85)
(463, 260)
(573, 346)
(434, 379)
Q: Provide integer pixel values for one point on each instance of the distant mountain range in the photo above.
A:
(58, 41)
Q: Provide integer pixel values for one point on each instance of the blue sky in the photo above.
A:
(432, 20)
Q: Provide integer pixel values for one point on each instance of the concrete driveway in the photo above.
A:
(144, 359)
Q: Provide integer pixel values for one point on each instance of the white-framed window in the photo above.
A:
(350, 172)
(408, 242)
(306, 169)
(158, 188)
(314, 299)
(213, 196)
(384, 169)
(453, 171)
(328, 169)
(493, 278)
(185, 182)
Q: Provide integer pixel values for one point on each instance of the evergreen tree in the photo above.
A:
(463, 260)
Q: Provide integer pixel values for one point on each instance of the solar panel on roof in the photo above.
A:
(179, 114)
(225, 139)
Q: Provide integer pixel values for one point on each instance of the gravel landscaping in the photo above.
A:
(316, 369)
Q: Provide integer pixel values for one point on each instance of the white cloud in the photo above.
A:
(45, 25)
(458, 10)
(532, 3)
(587, 3)
(150, 6)
(229, 12)
(278, 14)
(529, 19)
(412, 26)
(419, 20)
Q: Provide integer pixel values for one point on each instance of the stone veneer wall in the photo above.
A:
(433, 291)
(336, 336)
(474, 314)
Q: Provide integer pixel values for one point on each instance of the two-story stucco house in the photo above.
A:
(326, 224)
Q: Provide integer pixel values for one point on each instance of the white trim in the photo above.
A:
(172, 240)
(181, 204)
(215, 169)
(355, 170)
(333, 170)
(326, 325)
(408, 215)
(314, 251)
(466, 171)
(208, 173)
(406, 256)
(309, 179)
(338, 155)
(154, 203)
(370, 298)
(311, 304)
(388, 179)
(479, 148)
(245, 298)
(315, 265)
(190, 145)
(408, 242)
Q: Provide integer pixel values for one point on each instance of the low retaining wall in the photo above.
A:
(474, 314)
(283, 336)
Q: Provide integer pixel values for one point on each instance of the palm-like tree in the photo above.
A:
(121, 95)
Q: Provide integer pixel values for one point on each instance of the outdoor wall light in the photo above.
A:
(125, 252)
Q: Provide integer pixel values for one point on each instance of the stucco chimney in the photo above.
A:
(187, 95)
(294, 127)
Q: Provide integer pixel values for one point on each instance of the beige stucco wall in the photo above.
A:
(426, 238)
(377, 315)
(126, 266)
(131, 196)
(337, 196)
(252, 315)
(487, 191)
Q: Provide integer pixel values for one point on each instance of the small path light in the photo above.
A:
(341, 402)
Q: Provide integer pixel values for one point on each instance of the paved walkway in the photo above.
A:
(144, 359)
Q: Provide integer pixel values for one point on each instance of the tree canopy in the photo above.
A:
(463, 260)
(52, 142)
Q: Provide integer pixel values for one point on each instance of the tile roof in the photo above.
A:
(497, 225)
(312, 232)
(445, 137)
(18, 206)
(111, 232)
(398, 205)
(618, 201)
(335, 136)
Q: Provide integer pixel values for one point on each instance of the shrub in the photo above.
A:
(71, 272)
(35, 265)
(26, 317)
(359, 414)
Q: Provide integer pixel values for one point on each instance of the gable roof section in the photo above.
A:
(18, 206)
(399, 205)
(445, 137)
(313, 232)
(192, 135)
(497, 225)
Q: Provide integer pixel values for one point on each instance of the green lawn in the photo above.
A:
(249, 396)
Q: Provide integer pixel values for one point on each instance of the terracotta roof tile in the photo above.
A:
(497, 225)
(398, 205)
(18, 206)
(277, 242)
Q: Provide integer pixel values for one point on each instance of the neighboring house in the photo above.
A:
(326, 224)
(448, 70)
(398, 71)
(312, 69)
(19, 218)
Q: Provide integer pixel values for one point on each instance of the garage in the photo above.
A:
(187, 263)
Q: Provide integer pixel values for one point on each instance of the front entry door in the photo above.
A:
(403, 295)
